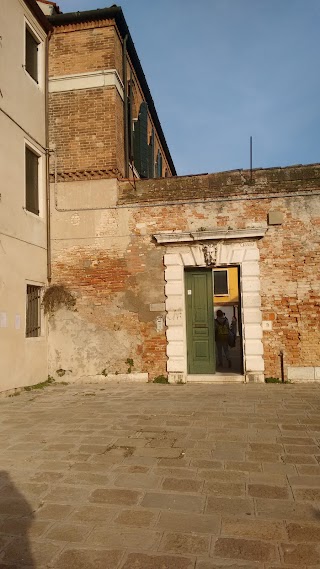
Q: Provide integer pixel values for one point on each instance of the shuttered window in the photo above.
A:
(33, 319)
(220, 283)
(159, 165)
(140, 139)
(32, 181)
(31, 62)
(129, 121)
(151, 156)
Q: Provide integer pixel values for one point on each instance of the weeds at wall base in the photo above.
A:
(46, 383)
(275, 380)
(160, 379)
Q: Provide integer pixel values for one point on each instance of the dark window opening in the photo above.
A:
(32, 181)
(31, 55)
(159, 165)
(140, 140)
(220, 279)
(151, 156)
(33, 319)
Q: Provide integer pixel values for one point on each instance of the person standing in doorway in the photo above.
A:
(222, 330)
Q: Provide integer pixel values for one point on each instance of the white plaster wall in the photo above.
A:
(23, 360)
(23, 255)
(85, 214)
(22, 98)
(245, 254)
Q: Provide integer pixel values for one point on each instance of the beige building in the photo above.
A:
(23, 193)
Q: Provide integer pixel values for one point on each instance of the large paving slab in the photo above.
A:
(127, 476)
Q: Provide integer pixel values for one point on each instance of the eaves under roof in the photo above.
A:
(115, 13)
(38, 14)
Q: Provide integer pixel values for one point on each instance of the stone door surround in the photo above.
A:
(213, 249)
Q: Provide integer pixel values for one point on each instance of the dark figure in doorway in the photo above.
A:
(222, 331)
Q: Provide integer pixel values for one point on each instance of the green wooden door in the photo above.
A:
(200, 324)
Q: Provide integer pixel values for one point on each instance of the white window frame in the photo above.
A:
(40, 84)
(41, 179)
(228, 287)
(41, 312)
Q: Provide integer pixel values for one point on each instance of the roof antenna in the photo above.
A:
(250, 159)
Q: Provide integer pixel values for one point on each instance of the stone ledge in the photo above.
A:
(112, 377)
(254, 377)
(186, 236)
(216, 378)
(300, 373)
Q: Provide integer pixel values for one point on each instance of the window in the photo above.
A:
(220, 279)
(31, 55)
(140, 142)
(159, 165)
(32, 181)
(33, 319)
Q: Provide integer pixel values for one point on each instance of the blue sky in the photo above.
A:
(221, 71)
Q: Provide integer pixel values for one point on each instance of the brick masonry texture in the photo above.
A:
(87, 125)
(88, 138)
(76, 48)
(116, 268)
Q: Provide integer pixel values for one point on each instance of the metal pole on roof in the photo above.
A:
(250, 158)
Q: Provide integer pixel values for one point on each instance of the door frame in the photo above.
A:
(242, 253)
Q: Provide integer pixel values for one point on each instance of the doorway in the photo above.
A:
(227, 298)
(208, 291)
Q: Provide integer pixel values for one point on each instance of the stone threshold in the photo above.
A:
(216, 378)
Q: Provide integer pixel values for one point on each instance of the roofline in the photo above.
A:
(51, 3)
(115, 12)
(38, 14)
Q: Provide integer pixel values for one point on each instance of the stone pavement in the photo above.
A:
(161, 477)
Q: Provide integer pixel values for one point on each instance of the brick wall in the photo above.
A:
(87, 125)
(113, 321)
(86, 128)
(289, 253)
(78, 48)
(110, 260)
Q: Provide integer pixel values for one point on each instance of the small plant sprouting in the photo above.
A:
(130, 363)
(41, 385)
(61, 372)
(55, 297)
(274, 380)
(160, 379)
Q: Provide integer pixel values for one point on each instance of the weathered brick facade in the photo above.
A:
(109, 258)
(87, 94)
(122, 247)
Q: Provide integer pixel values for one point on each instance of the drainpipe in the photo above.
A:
(125, 108)
(48, 161)
(281, 366)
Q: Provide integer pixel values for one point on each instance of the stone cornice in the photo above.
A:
(89, 80)
(209, 235)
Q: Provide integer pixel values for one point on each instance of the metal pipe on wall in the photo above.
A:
(48, 208)
(125, 108)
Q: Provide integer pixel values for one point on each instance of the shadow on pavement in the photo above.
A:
(16, 517)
